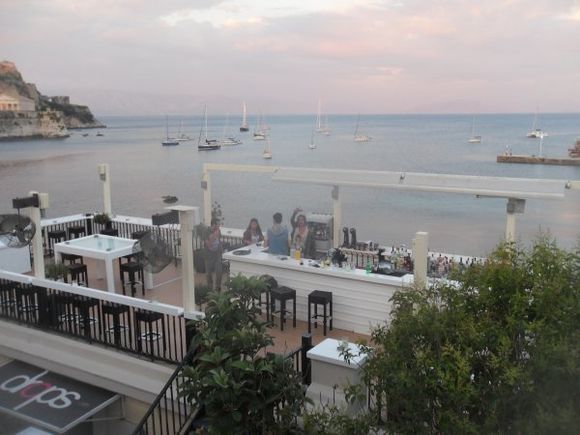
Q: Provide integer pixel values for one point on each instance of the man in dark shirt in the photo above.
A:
(213, 256)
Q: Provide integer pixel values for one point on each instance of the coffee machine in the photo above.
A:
(320, 226)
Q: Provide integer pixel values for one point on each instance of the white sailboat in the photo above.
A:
(358, 136)
(244, 127)
(227, 139)
(267, 153)
(181, 137)
(312, 145)
(206, 144)
(474, 138)
(321, 127)
(260, 131)
(535, 132)
(169, 141)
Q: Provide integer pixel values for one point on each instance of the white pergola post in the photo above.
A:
(105, 177)
(420, 252)
(514, 206)
(206, 188)
(37, 250)
(186, 222)
(337, 213)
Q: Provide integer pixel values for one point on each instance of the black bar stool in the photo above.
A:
(151, 332)
(135, 272)
(7, 299)
(110, 232)
(115, 311)
(271, 283)
(76, 232)
(85, 320)
(54, 237)
(319, 297)
(78, 272)
(65, 312)
(283, 294)
(72, 258)
(27, 302)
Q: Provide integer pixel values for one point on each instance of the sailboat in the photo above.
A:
(312, 145)
(206, 144)
(320, 126)
(474, 138)
(358, 136)
(227, 139)
(181, 137)
(244, 126)
(260, 131)
(535, 132)
(169, 141)
(267, 153)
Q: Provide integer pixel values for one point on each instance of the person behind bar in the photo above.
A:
(301, 237)
(213, 256)
(253, 233)
(277, 239)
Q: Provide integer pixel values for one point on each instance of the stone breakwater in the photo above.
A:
(26, 125)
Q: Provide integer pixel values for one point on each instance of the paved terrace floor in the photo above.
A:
(167, 289)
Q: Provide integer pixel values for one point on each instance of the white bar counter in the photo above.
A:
(360, 300)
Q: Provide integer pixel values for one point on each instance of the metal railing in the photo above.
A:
(169, 413)
(152, 330)
(300, 361)
(125, 227)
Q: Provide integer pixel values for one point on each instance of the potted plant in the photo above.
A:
(56, 271)
(102, 219)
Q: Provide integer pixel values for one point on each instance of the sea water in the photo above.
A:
(142, 171)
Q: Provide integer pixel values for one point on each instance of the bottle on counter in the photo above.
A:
(368, 267)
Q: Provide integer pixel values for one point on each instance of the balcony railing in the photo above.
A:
(147, 329)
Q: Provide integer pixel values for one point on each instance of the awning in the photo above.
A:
(47, 399)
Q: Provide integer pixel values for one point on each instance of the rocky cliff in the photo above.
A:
(43, 117)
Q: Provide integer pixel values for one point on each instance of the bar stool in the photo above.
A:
(271, 283)
(110, 232)
(72, 258)
(7, 299)
(84, 318)
(135, 235)
(283, 294)
(135, 272)
(319, 297)
(64, 311)
(27, 302)
(78, 231)
(151, 332)
(115, 311)
(78, 272)
(54, 237)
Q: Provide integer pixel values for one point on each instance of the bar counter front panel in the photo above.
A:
(360, 300)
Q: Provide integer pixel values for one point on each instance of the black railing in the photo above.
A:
(300, 361)
(169, 413)
(126, 228)
(126, 324)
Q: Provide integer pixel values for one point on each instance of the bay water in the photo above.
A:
(142, 171)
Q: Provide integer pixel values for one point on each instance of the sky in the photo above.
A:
(148, 57)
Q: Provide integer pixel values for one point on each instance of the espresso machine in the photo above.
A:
(321, 226)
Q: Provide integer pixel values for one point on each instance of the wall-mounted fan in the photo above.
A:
(16, 231)
(153, 252)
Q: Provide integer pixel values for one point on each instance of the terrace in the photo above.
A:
(69, 326)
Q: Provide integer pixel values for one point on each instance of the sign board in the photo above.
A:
(47, 399)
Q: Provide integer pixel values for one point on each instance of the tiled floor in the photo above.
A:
(167, 289)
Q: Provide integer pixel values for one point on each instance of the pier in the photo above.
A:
(536, 160)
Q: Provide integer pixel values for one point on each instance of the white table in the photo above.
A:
(99, 247)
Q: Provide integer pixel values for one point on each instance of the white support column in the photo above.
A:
(186, 222)
(514, 206)
(37, 250)
(206, 188)
(420, 246)
(105, 176)
(337, 214)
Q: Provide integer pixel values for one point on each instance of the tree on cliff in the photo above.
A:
(497, 351)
